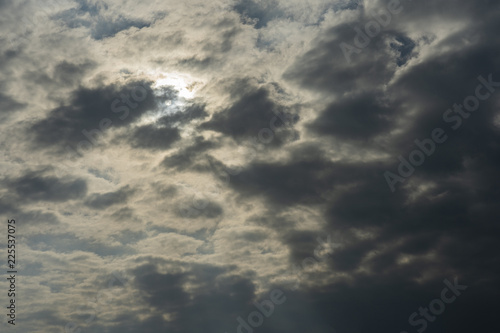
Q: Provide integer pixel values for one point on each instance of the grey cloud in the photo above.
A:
(195, 62)
(69, 73)
(357, 117)
(64, 74)
(261, 12)
(199, 209)
(164, 132)
(164, 191)
(95, 18)
(105, 200)
(36, 186)
(188, 156)
(128, 236)
(88, 110)
(370, 68)
(8, 105)
(125, 214)
(217, 296)
(68, 243)
(393, 249)
(152, 137)
(35, 217)
(253, 109)
(10, 206)
(227, 37)
(297, 182)
(189, 113)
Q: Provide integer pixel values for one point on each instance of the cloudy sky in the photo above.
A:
(171, 163)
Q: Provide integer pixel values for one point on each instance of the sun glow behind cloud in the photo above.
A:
(185, 86)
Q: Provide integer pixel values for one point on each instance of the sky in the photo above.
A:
(250, 165)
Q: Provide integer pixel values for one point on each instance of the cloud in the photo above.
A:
(69, 73)
(8, 105)
(69, 243)
(358, 117)
(261, 12)
(253, 110)
(105, 200)
(151, 137)
(35, 186)
(165, 132)
(89, 74)
(202, 208)
(227, 296)
(94, 16)
(93, 111)
(186, 157)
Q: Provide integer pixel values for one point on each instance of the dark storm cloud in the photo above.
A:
(475, 133)
(388, 284)
(195, 297)
(435, 222)
(446, 230)
(36, 186)
(91, 111)
(303, 180)
(105, 200)
(357, 117)
(363, 199)
(253, 110)
(359, 305)
(324, 67)
(429, 87)
(454, 77)
(164, 290)
(94, 17)
(378, 302)
(302, 244)
(216, 298)
(362, 302)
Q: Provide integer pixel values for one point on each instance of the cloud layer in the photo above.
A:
(170, 164)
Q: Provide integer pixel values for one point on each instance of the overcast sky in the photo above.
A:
(170, 163)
